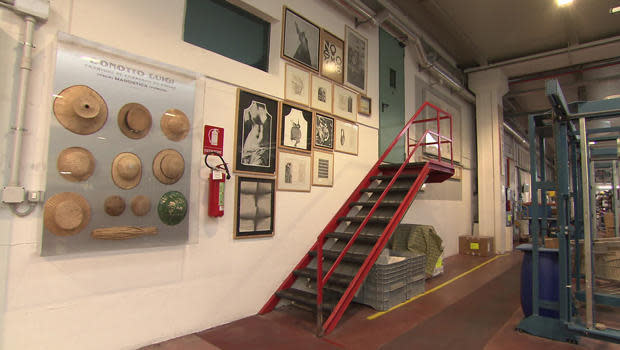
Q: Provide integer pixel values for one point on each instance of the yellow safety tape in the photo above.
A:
(379, 314)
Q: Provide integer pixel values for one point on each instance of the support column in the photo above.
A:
(490, 86)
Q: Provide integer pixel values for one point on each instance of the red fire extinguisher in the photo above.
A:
(216, 186)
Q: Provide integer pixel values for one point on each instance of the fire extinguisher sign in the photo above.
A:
(213, 140)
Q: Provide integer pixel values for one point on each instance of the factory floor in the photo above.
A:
(475, 304)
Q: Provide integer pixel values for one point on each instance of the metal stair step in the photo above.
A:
(370, 203)
(389, 177)
(358, 219)
(395, 166)
(348, 257)
(306, 298)
(362, 238)
(335, 278)
(381, 189)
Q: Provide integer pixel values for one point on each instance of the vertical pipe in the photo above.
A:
(614, 185)
(587, 228)
(578, 212)
(561, 186)
(534, 213)
(543, 192)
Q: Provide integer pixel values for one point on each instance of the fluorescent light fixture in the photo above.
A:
(614, 10)
(563, 2)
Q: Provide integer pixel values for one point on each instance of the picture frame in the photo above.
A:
(321, 94)
(346, 137)
(254, 207)
(300, 40)
(295, 128)
(345, 103)
(296, 85)
(364, 105)
(356, 60)
(332, 57)
(294, 172)
(323, 131)
(323, 169)
(255, 133)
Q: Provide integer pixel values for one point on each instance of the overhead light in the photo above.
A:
(563, 2)
(614, 10)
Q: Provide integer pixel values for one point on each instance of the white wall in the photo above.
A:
(127, 299)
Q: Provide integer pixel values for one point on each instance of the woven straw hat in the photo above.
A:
(80, 109)
(168, 166)
(140, 205)
(75, 164)
(126, 170)
(134, 120)
(114, 205)
(66, 213)
(175, 124)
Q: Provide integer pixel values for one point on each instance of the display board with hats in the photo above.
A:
(119, 151)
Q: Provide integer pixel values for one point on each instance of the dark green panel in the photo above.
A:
(218, 26)
(391, 96)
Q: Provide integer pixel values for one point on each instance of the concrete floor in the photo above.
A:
(478, 311)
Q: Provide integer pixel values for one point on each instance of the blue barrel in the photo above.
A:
(548, 279)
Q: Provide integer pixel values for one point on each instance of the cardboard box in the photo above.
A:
(476, 245)
(552, 243)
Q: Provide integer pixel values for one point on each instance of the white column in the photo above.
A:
(490, 86)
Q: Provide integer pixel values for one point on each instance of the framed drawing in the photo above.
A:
(297, 85)
(321, 94)
(356, 58)
(294, 172)
(345, 103)
(295, 128)
(255, 133)
(346, 137)
(323, 131)
(364, 105)
(300, 40)
(322, 169)
(254, 207)
(332, 57)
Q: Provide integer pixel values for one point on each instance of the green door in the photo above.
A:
(391, 96)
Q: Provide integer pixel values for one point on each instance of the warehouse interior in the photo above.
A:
(497, 81)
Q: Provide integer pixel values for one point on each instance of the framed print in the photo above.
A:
(346, 137)
(295, 128)
(345, 103)
(322, 169)
(332, 57)
(255, 133)
(356, 58)
(364, 105)
(297, 85)
(321, 94)
(254, 207)
(294, 172)
(323, 131)
(300, 40)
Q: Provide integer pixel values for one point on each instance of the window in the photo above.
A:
(221, 27)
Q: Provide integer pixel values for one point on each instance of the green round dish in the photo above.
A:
(172, 207)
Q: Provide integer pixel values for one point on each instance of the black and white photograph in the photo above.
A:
(300, 40)
(356, 58)
(346, 137)
(321, 96)
(294, 172)
(255, 206)
(297, 85)
(332, 57)
(345, 103)
(296, 128)
(322, 169)
(324, 131)
(256, 132)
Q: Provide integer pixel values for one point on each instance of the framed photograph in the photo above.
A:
(295, 128)
(294, 172)
(356, 58)
(254, 207)
(321, 94)
(345, 103)
(323, 131)
(346, 137)
(255, 133)
(332, 57)
(300, 40)
(364, 105)
(323, 169)
(297, 85)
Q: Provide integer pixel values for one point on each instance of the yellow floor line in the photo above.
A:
(379, 314)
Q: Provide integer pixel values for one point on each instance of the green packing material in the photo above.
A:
(419, 239)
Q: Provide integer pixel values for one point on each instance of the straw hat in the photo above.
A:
(66, 213)
(134, 120)
(80, 109)
(114, 205)
(172, 207)
(75, 164)
(140, 205)
(168, 166)
(126, 170)
(174, 124)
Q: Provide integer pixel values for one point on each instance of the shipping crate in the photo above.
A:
(476, 245)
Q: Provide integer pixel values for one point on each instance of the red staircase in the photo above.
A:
(354, 238)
